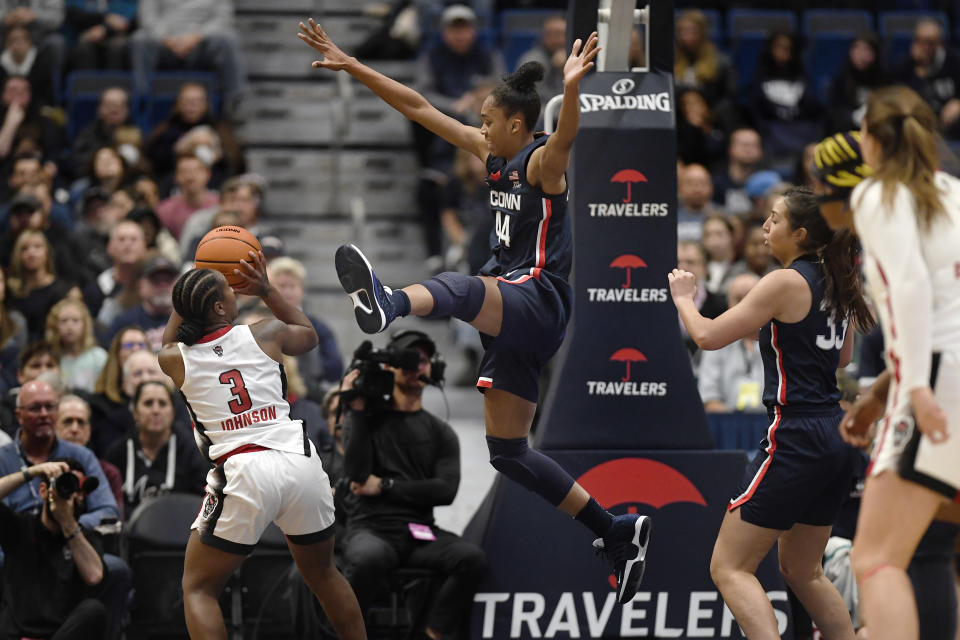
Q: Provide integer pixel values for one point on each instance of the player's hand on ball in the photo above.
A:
(931, 418)
(683, 284)
(254, 274)
(314, 35)
(856, 428)
(580, 61)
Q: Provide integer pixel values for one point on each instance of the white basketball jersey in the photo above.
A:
(236, 395)
(913, 275)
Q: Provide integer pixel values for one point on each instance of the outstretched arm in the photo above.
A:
(549, 163)
(404, 99)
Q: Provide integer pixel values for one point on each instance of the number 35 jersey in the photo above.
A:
(800, 358)
(236, 394)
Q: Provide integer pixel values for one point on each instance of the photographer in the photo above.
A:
(52, 562)
(401, 462)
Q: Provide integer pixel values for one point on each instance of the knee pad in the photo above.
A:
(456, 295)
(530, 469)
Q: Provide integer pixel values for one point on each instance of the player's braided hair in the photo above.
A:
(194, 295)
(518, 93)
(837, 251)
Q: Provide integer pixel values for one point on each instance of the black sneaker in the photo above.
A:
(625, 545)
(371, 300)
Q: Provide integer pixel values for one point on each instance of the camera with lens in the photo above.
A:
(374, 383)
(67, 484)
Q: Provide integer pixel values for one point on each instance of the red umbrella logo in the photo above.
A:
(627, 355)
(628, 261)
(629, 176)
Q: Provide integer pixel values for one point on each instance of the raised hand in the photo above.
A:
(580, 61)
(682, 284)
(254, 274)
(314, 35)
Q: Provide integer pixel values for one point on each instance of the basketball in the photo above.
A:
(223, 248)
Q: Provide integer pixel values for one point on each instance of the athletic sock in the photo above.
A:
(401, 302)
(595, 518)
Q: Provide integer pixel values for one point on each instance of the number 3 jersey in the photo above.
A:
(800, 358)
(236, 394)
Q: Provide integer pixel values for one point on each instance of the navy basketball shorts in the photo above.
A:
(802, 473)
(535, 314)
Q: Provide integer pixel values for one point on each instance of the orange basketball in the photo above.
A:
(223, 248)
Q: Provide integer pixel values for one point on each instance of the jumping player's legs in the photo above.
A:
(315, 562)
(894, 514)
(801, 555)
(739, 549)
(206, 570)
(488, 320)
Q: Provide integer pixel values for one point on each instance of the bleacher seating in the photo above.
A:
(896, 30)
(747, 31)
(828, 35)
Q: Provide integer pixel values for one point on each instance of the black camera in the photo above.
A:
(67, 484)
(374, 383)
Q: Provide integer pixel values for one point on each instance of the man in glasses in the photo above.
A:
(35, 361)
(933, 71)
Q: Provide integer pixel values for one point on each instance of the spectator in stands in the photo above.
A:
(192, 177)
(691, 257)
(933, 71)
(148, 193)
(719, 243)
(783, 99)
(551, 52)
(70, 333)
(106, 171)
(756, 254)
(321, 366)
(155, 460)
(192, 109)
(34, 209)
(465, 214)
(43, 18)
(694, 193)
(156, 236)
(303, 407)
(73, 425)
(194, 35)
(744, 158)
(802, 176)
(32, 281)
(13, 337)
(699, 65)
(847, 95)
(731, 378)
(19, 58)
(155, 288)
(36, 362)
(699, 138)
(27, 168)
(108, 392)
(36, 442)
(52, 562)
(23, 124)
(114, 290)
(402, 462)
(103, 33)
(100, 213)
(242, 194)
(758, 188)
(455, 74)
(224, 217)
(113, 112)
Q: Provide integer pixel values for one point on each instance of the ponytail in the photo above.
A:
(903, 126)
(837, 254)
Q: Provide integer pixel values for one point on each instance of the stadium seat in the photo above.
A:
(747, 31)
(826, 55)
(154, 541)
(896, 30)
(83, 95)
(263, 581)
(164, 87)
(826, 21)
(520, 30)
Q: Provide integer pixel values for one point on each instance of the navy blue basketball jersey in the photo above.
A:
(531, 227)
(800, 359)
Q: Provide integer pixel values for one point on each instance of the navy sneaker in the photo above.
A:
(625, 545)
(371, 300)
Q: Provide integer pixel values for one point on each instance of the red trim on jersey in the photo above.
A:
(519, 280)
(210, 337)
(886, 423)
(542, 237)
(486, 383)
(883, 276)
(247, 448)
(781, 371)
(771, 447)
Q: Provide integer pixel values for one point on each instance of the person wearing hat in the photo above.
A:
(401, 462)
(155, 288)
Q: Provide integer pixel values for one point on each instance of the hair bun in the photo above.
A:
(526, 76)
(189, 332)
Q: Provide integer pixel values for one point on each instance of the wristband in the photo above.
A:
(386, 485)
(25, 470)
(73, 535)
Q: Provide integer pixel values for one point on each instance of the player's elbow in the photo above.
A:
(706, 341)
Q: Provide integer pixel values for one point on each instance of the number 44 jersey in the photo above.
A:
(236, 394)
